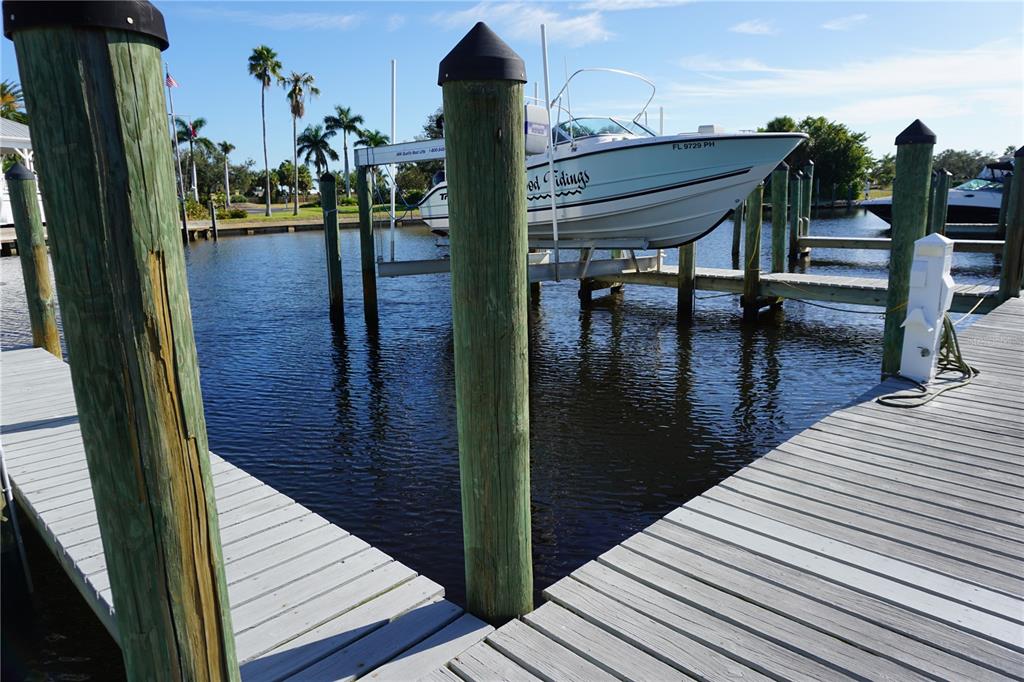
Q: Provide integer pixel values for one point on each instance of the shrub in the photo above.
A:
(311, 204)
(194, 210)
(413, 196)
(238, 199)
(237, 213)
(348, 201)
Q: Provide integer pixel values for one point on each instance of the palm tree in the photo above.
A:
(372, 138)
(347, 122)
(225, 149)
(314, 143)
(299, 88)
(189, 132)
(12, 102)
(264, 67)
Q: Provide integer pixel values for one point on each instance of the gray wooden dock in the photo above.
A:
(307, 598)
(802, 286)
(880, 543)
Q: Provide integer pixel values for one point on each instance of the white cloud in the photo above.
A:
(755, 27)
(907, 73)
(844, 23)
(621, 5)
(284, 21)
(396, 21)
(899, 108)
(522, 20)
(703, 62)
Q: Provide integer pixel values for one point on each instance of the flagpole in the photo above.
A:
(174, 134)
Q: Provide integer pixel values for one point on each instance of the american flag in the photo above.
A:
(171, 83)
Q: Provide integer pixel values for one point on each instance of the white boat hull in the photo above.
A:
(661, 192)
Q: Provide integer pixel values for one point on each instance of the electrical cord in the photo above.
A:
(950, 359)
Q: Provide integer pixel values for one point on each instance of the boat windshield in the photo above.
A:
(593, 126)
(980, 184)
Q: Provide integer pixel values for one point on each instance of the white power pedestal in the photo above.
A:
(931, 293)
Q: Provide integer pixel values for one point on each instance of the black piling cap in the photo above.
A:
(783, 166)
(481, 56)
(137, 16)
(1019, 153)
(327, 177)
(19, 172)
(916, 133)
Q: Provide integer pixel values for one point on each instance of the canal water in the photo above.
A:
(630, 415)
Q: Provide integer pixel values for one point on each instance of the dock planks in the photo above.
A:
(308, 600)
(881, 543)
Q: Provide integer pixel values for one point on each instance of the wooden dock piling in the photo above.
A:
(909, 215)
(332, 246)
(35, 261)
(366, 248)
(795, 215)
(1010, 279)
(687, 282)
(780, 188)
(752, 255)
(806, 203)
(737, 228)
(940, 201)
(92, 77)
(213, 221)
(1004, 203)
(482, 82)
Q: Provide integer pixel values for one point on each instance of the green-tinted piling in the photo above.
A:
(482, 82)
(366, 248)
(99, 131)
(332, 246)
(795, 215)
(1012, 274)
(940, 201)
(780, 188)
(806, 203)
(213, 221)
(687, 282)
(910, 194)
(752, 255)
(35, 261)
(737, 228)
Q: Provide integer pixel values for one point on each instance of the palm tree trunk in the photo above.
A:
(227, 187)
(295, 165)
(266, 164)
(192, 158)
(348, 184)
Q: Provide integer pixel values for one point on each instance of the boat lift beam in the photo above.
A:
(540, 268)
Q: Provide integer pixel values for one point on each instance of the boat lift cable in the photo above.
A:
(950, 359)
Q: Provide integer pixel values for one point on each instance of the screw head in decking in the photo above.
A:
(481, 56)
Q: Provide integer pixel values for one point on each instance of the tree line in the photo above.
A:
(843, 161)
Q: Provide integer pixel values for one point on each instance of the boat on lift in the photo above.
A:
(617, 182)
(975, 201)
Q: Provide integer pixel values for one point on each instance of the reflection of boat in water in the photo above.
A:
(617, 180)
(975, 201)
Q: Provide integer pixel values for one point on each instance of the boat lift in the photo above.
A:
(542, 266)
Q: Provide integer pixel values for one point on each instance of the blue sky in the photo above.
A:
(875, 66)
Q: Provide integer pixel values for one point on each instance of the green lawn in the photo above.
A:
(280, 212)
